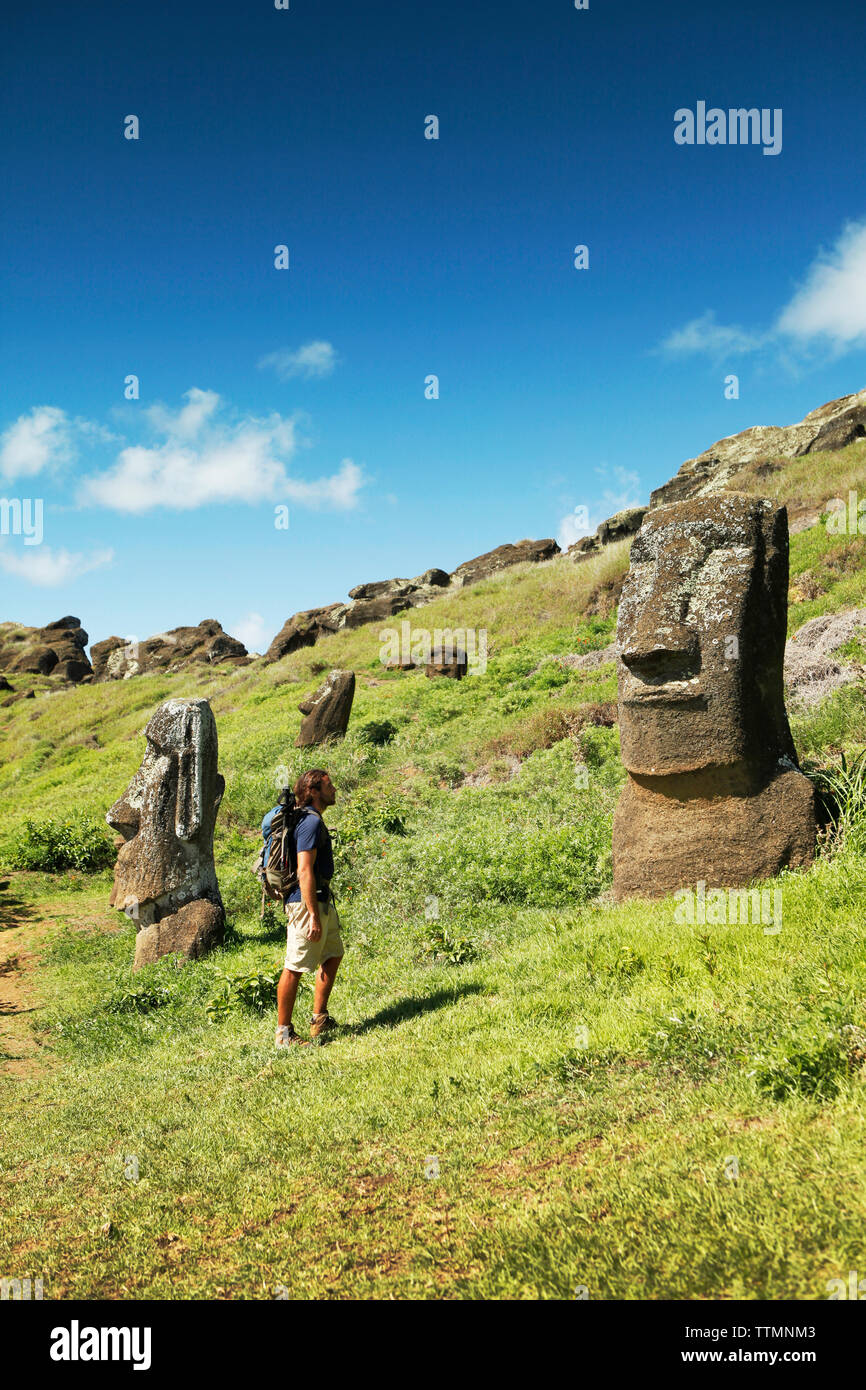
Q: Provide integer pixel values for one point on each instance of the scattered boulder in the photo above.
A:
(304, 629)
(492, 561)
(616, 528)
(165, 878)
(327, 711)
(811, 672)
(58, 650)
(714, 794)
(116, 659)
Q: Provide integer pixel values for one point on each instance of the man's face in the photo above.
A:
(685, 637)
(327, 791)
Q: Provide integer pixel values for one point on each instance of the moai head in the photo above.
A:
(701, 638)
(167, 813)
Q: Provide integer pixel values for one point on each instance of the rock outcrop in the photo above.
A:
(327, 711)
(58, 650)
(616, 528)
(713, 794)
(165, 879)
(830, 427)
(116, 659)
(492, 561)
(383, 598)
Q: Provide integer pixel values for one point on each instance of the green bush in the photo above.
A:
(377, 731)
(79, 842)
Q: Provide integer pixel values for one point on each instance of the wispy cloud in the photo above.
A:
(704, 335)
(314, 359)
(208, 456)
(37, 441)
(48, 568)
(828, 310)
(251, 631)
(585, 518)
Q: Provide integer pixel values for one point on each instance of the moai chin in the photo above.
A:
(165, 878)
(713, 792)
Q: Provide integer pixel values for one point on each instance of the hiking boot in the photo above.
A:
(285, 1036)
(322, 1023)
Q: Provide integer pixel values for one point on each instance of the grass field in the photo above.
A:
(533, 1092)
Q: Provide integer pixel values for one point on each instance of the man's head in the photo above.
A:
(701, 637)
(315, 788)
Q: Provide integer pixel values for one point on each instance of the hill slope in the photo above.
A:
(532, 1089)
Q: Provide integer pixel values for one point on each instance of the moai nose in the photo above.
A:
(655, 643)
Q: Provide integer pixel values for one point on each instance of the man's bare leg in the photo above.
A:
(287, 993)
(325, 976)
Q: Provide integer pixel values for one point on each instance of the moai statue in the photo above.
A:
(713, 791)
(328, 710)
(165, 878)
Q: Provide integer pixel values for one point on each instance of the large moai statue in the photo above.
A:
(165, 878)
(713, 791)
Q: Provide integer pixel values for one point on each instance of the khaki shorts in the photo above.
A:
(302, 954)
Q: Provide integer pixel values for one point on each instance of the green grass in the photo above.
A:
(533, 1089)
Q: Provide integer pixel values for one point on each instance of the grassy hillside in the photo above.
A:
(532, 1090)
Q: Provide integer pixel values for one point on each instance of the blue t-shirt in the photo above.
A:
(312, 833)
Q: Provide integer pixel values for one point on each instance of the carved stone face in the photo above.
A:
(167, 814)
(701, 637)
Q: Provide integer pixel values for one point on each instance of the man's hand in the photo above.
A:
(314, 931)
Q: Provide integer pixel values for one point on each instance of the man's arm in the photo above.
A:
(307, 881)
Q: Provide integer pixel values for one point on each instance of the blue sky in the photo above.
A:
(305, 387)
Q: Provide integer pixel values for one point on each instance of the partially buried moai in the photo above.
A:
(165, 878)
(713, 792)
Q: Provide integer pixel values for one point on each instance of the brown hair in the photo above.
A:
(307, 783)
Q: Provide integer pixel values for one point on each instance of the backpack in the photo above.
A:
(277, 862)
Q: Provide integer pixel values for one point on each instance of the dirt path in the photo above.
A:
(26, 927)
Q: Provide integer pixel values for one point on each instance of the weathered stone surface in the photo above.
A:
(471, 571)
(327, 710)
(58, 650)
(713, 792)
(304, 629)
(192, 931)
(166, 817)
(831, 426)
(116, 659)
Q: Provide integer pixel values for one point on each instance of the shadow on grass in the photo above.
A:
(408, 1008)
(14, 911)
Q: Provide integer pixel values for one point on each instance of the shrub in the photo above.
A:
(79, 842)
(255, 990)
(377, 731)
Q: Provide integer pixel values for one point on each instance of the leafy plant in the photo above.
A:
(78, 842)
(449, 948)
(376, 731)
(255, 990)
(139, 1001)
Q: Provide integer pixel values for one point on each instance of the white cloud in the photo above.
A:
(204, 459)
(34, 442)
(586, 517)
(312, 360)
(829, 308)
(251, 631)
(49, 568)
(704, 335)
(831, 303)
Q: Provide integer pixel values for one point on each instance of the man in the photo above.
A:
(313, 941)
